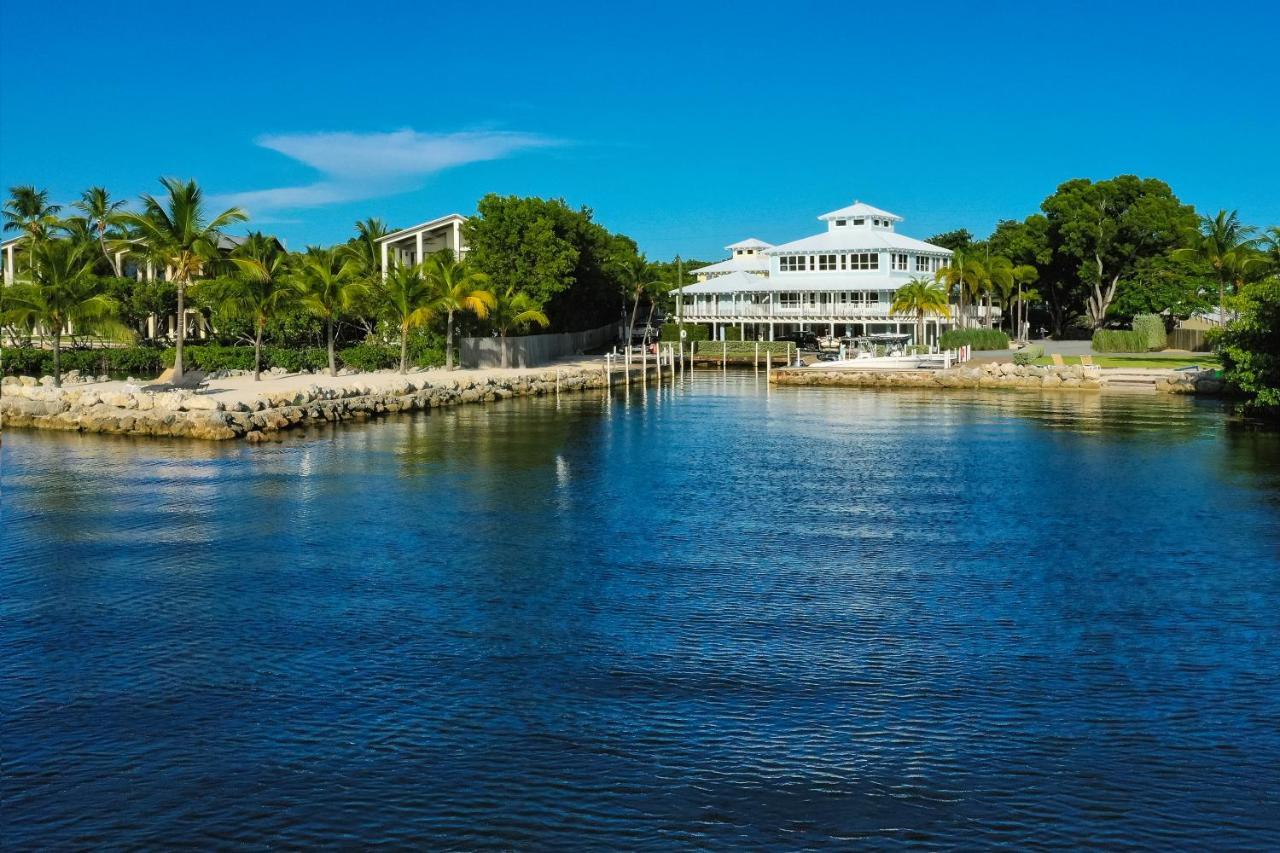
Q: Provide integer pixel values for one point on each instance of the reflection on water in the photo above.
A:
(710, 615)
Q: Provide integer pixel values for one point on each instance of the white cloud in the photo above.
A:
(358, 166)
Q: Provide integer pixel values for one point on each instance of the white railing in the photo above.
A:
(808, 312)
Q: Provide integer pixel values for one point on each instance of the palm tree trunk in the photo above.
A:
(57, 357)
(182, 333)
(257, 352)
(448, 343)
(404, 348)
(631, 327)
(333, 363)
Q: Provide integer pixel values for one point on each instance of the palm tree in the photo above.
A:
(965, 274)
(638, 279)
(28, 210)
(63, 291)
(998, 279)
(1024, 274)
(96, 204)
(1270, 245)
(257, 292)
(513, 310)
(920, 297)
(326, 284)
(1228, 247)
(364, 250)
(455, 289)
(407, 300)
(178, 234)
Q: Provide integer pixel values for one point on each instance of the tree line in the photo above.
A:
(532, 264)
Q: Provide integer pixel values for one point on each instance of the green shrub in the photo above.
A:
(1151, 327)
(979, 339)
(1028, 355)
(125, 361)
(294, 360)
(745, 349)
(1119, 340)
(212, 357)
(670, 332)
(732, 333)
(368, 357)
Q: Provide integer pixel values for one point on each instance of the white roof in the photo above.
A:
(749, 243)
(859, 209)
(425, 226)
(860, 240)
(735, 282)
(742, 263)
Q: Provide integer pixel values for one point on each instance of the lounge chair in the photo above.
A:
(1087, 360)
(1056, 358)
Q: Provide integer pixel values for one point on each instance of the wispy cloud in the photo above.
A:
(356, 166)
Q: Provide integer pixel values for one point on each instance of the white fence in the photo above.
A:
(533, 350)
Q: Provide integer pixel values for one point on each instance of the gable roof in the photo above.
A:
(748, 263)
(749, 243)
(735, 282)
(860, 240)
(422, 226)
(859, 209)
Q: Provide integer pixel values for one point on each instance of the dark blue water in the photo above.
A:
(702, 618)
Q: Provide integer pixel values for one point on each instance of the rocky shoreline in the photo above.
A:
(26, 403)
(1000, 375)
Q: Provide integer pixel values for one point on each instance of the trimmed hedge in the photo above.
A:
(744, 349)
(670, 332)
(1028, 355)
(732, 333)
(979, 339)
(122, 361)
(1119, 340)
(368, 357)
(1151, 327)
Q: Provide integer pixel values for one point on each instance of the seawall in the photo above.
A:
(1005, 375)
(24, 403)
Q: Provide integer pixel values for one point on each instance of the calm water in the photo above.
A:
(704, 617)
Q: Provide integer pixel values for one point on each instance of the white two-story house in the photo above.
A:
(839, 282)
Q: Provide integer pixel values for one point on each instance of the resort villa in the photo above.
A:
(839, 282)
(409, 246)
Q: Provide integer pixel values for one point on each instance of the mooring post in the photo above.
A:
(768, 364)
(724, 355)
(756, 361)
(557, 382)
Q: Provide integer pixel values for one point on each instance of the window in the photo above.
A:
(899, 261)
(826, 263)
(864, 261)
(873, 297)
(924, 264)
(811, 264)
(791, 263)
(789, 300)
(859, 221)
(840, 222)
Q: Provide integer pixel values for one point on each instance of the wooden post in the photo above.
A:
(557, 383)
(768, 364)
(681, 345)
(724, 355)
(626, 365)
(658, 362)
(644, 364)
(756, 361)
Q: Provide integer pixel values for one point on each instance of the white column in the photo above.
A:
(151, 327)
(8, 264)
(384, 259)
(417, 248)
(457, 239)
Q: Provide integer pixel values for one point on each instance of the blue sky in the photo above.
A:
(686, 125)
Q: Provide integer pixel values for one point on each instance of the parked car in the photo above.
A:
(802, 340)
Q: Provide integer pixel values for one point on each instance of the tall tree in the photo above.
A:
(101, 212)
(1105, 228)
(405, 298)
(921, 298)
(639, 279)
(259, 289)
(327, 283)
(953, 240)
(28, 211)
(965, 275)
(1023, 274)
(63, 291)
(179, 234)
(455, 287)
(1229, 248)
(515, 309)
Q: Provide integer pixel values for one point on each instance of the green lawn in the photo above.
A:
(1154, 359)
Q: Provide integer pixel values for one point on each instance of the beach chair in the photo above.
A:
(1087, 360)
(1056, 358)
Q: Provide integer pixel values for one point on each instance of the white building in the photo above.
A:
(409, 246)
(839, 282)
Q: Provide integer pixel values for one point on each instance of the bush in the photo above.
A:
(368, 357)
(1151, 327)
(670, 332)
(745, 349)
(294, 360)
(1119, 340)
(1250, 349)
(212, 357)
(1028, 355)
(732, 333)
(979, 339)
(124, 361)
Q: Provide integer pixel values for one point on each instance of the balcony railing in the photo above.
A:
(816, 312)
